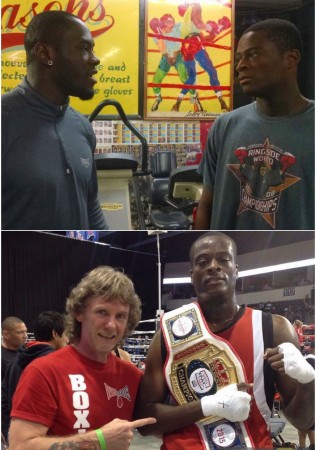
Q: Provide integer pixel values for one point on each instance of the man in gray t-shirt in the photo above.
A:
(258, 165)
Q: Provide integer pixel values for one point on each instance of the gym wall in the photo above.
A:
(39, 269)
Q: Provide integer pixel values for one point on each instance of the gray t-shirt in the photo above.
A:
(261, 170)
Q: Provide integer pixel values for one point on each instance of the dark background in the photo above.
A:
(39, 269)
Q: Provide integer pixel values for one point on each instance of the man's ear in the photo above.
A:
(78, 317)
(236, 268)
(293, 58)
(5, 333)
(43, 53)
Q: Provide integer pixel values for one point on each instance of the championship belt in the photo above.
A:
(200, 363)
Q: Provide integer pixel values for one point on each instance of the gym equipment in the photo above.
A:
(115, 171)
(179, 195)
(162, 163)
(277, 426)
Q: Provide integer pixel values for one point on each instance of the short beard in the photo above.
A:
(86, 95)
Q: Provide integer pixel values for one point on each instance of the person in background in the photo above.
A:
(14, 334)
(307, 301)
(268, 306)
(298, 327)
(49, 177)
(208, 354)
(49, 334)
(83, 396)
(302, 434)
(258, 165)
(122, 354)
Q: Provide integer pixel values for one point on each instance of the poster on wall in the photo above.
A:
(109, 22)
(188, 59)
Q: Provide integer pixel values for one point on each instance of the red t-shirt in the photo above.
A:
(70, 393)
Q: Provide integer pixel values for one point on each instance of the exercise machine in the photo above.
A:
(115, 172)
(178, 196)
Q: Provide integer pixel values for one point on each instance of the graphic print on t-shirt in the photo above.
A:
(262, 176)
(80, 402)
(118, 393)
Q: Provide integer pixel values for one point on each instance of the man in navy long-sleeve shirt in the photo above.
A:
(48, 172)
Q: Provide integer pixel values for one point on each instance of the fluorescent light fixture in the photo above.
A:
(247, 273)
(277, 267)
(178, 280)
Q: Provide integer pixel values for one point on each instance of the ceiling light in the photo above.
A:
(247, 273)
(178, 280)
(277, 267)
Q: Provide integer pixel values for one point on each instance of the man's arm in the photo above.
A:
(161, 43)
(196, 16)
(96, 217)
(204, 211)
(153, 393)
(5, 410)
(26, 435)
(297, 398)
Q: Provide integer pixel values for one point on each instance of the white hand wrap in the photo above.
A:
(295, 365)
(229, 403)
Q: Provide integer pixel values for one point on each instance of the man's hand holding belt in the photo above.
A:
(229, 403)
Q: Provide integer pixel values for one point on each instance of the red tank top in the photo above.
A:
(246, 337)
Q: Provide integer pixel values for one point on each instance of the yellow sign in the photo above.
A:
(112, 206)
(114, 25)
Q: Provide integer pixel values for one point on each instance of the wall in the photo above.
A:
(276, 255)
(38, 271)
(251, 298)
(274, 295)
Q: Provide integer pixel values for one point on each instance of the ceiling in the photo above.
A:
(175, 245)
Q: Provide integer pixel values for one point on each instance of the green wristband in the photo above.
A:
(101, 439)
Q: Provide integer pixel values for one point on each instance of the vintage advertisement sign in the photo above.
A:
(188, 58)
(114, 26)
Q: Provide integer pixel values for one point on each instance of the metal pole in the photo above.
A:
(159, 311)
(159, 273)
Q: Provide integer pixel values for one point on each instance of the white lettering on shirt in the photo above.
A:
(80, 403)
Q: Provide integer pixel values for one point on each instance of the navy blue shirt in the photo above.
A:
(48, 172)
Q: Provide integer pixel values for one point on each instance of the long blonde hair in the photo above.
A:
(107, 282)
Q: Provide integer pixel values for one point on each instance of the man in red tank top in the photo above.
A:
(267, 352)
